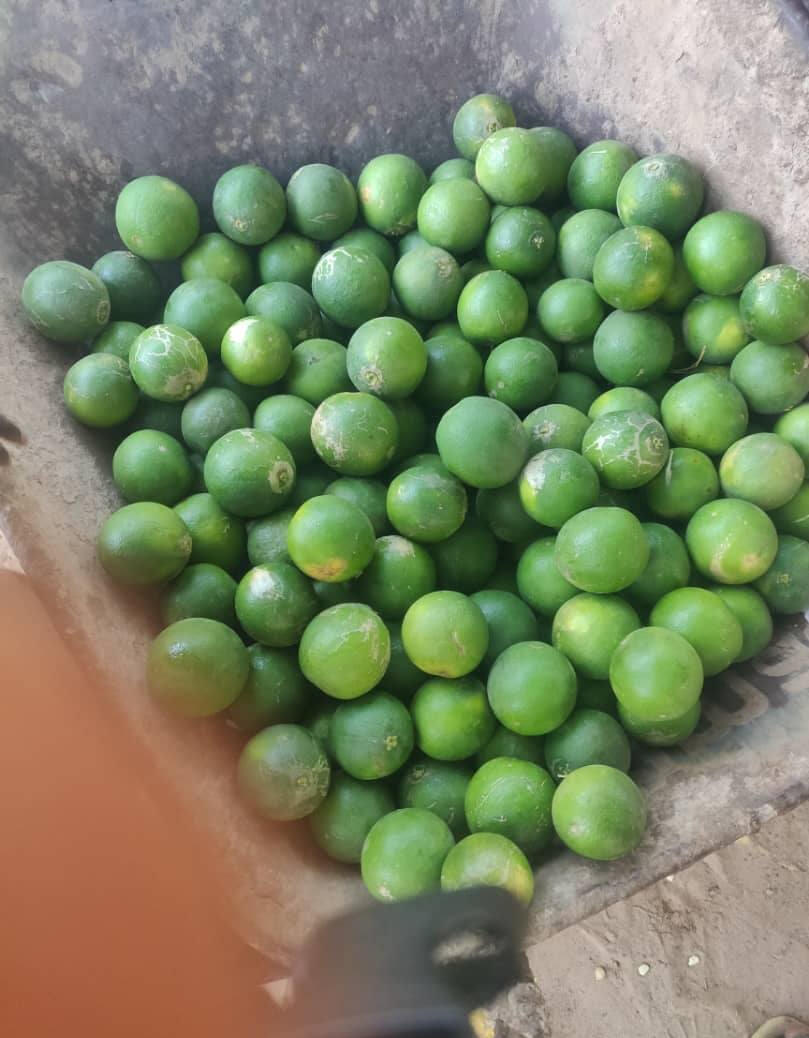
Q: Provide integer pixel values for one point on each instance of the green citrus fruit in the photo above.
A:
(531, 688)
(466, 559)
(437, 786)
(596, 695)
(454, 215)
(538, 578)
(249, 472)
(633, 267)
(452, 168)
(477, 119)
(713, 330)
(354, 433)
(117, 338)
(288, 257)
(289, 418)
(578, 356)
(575, 390)
(143, 543)
(661, 733)
(793, 517)
(133, 287)
(602, 550)
(368, 495)
(351, 286)
(402, 677)
(687, 481)
(669, 565)
(321, 202)
(559, 152)
(283, 773)
(731, 540)
(99, 391)
(704, 412)
(599, 812)
(772, 378)
(751, 611)
(386, 357)
(556, 484)
(661, 191)
(403, 854)
(216, 537)
(209, 415)
(197, 667)
(310, 482)
(680, 289)
(513, 799)
(202, 590)
(66, 302)
(626, 448)
(511, 166)
(520, 372)
(794, 428)
(488, 860)
(274, 603)
(723, 250)
(580, 238)
(371, 737)
(256, 351)
(521, 241)
(656, 674)
(216, 256)
(317, 370)
(775, 304)
(168, 363)
(249, 204)
(152, 466)
(454, 370)
(445, 633)
(492, 307)
(345, 650)
(633, 349)
(588, 629)
(624, 398)
(389, 189)
(482, 442)
(570, 310)
(596, 172)
(452, 718)
(762, 468)
(502, 511)
(156, 218)
(205, 307)
(267, 538)
(586, 737)
(427, 282)
(505, 743)
(555, 425)
(341, 823)
(371, 241)
(705, 621)
(399, 573)
(276, 692)
(330, 538)
(509, 621)
(220, 378)
(289, 306)
(785, 585)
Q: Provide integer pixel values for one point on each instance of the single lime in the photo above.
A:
(633, 267)
(602, 550)
(731, 540)
(794, 428)
(143, 543)
(466, 559)
(427, 282)
(488, 860)
(772, 378)
(573, 389)
(539, 581)
(555, 425)
(368, 495)
(402, 677)
(509, 621)
(626, 448)
(274, 603)
(371, 241)
(354, 433)
(570, 310)
(66, 302)
(656, 674)
(249, 204)
(317, 370)
(669, 565)
(321, 202)
(502, 511)
(345, 650)
(156, 218)
(133, 286)
(452, 718)
(578, 356)
(371, 737)
(249, 472)
(452, 168)
(586, 737)
(751, 611)
(197, 667)
(99, 391)
(704, 412)
(762, 468)
(351, 286)
(531, 688)
(389, 189)
(521, 241)
(454, 370)
(289, 306)
(276, 692)
(256, 351)
(793, 517)
(477, 119)
(775, 304)
(633, 349)
(589, 628)
(152, 466)
(341, 823)
(209, 415)
(624, 398)
(330, 538)
(661, 733)
(513, 799)
(680, 289)
(559, 150)
(454, 215)
(713, 330)
(482, 442)
(512, 167)
(723, 250)
(705, 621)
(288, 257)
(520, 372)
(580, 238)
(596, 172)
(505, 743)
(687, 481)
(399, 573)
(117, 338)
(289, 418)
(216, 537)
(599, 812)
(283, 773)
(661, 191)
(403, 854)
(437, 786)
(492, 307)
(201, 590)
(386, 357)
(785, 585)
(445, 633)
(216, 256)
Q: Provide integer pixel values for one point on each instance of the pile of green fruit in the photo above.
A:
(450, 485)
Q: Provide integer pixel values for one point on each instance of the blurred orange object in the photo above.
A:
(112, 921)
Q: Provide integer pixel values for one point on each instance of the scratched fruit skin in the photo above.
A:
(274, 603)
(250, 473)
(345, 650)
(626, 448)
(66, 302)
(156, 219)
(445, 634)
(354, 433)
(371, 737)
(351, 286)
(330, 539)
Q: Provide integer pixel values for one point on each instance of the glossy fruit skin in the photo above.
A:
(427, 282)
(65, 302)
(661, 733)
(687, 481)
(713, 329)
(492, 307)
(477, 119)
(283, 773)
(556, 484)
(775, 304)
(399, 573)
(669, 565)
(351, 286)
(482, 442)
(505, 743)
(201, 590)
(555, 425)
(602, 550)
(354, 433)
(445, 634)
(599, 812)
(750, 609)
(99, 391)
(437, 786)
(531, 688)
(626, 448)
(762, 468)
(513, 799)
(624, 398)
(426, 503)
(133, 286)
(151, 466)
(197, 667)
(656, 674)
(632, 349)
(785, 585)
(386, 357)
(216, 536)
(371, 737)
(586, 737)
(274, 603)
(773, 378)
(521, 241)
(214, 255)
(633, 268)
(168, 363)
(345, 650)
(143, 543)
(341, 823)
(703, 412)
(731, 541)
(454, 371)
(794, 428)
(321, 202)
(249, 472)
(403, 854)
(275, 693)
(454, 215)
(330, 539)
(705, 621)
(488, 859)
(288, 257)
(156, 218)
(661, 191)
(596, 172)
(453, 719)
(570, 310)
(508, 618)
(317, 370)
(723, 251)
(389, 188)
(580, 238)
(511, 167)
(502, 511)
(520, 372)
(793, 517)
(539, 581)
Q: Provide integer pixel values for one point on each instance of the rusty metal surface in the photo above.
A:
(94, 93)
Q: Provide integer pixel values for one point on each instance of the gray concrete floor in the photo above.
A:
(709, 953)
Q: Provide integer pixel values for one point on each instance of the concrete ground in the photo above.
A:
(709, 953)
